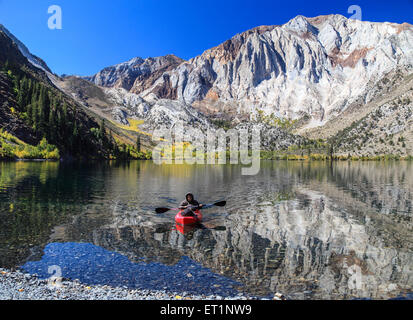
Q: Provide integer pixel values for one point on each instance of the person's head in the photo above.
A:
(189, 197)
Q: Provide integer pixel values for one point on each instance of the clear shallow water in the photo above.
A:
(308, 230)
(96, 266)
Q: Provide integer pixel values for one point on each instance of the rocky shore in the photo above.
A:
(15, 285)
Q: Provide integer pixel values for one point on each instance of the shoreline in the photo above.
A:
(280, 159)
(15, 285)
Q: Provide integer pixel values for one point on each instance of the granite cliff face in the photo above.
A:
(309, 66)
(326, 72)
(335, 76)
(135, 75)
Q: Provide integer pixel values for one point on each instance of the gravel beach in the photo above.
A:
(15, 285)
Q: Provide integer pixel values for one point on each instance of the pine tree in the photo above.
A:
(102, 134)
(63, 121)
(6, 66)
(35, 116)
(75, 135)
(44, 109)
(22, 94)
(52, 125)
(102, 130)
(29, 114)
(111, 140)
(29, 91)
(40, 111)
(138, 143)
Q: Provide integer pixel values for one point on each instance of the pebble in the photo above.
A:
(15, 285)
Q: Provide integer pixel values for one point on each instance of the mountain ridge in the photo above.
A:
(35, 112)
(34, 60)
(215, 75)
(308, 71)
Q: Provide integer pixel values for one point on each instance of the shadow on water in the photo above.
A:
(96, 266)
(306, 229)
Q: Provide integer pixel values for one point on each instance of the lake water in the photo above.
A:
(310, 230)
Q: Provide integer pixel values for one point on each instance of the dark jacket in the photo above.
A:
(193, 204)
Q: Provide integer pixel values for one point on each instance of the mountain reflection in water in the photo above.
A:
(310, 230)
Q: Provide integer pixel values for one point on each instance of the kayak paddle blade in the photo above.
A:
(220, 204)
(217, 204)
(162, 210)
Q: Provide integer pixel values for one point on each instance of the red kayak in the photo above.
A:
(184, 229)
(180, 219)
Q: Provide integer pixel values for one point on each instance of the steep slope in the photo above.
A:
(8, 121)
(113, 94)
(32, 108)
(383, 126)
(35, 61)
(135, 75)
(129, 114)
(11, 55)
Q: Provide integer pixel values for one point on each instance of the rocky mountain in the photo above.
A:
(34, 60)
(309, 66)
(311, 70)
(324, 75)
(386, 129)
(135, 75)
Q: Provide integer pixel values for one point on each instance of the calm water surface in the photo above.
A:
(309, 230)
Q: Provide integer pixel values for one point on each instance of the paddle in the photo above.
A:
(218, 228)
(167, 228)
(207, 206)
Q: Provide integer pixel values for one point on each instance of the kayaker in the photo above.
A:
(189, 205)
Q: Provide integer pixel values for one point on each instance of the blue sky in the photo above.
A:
(101, 33)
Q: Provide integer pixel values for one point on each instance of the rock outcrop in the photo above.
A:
(135, 75)
(309, 66)
(311, 69)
